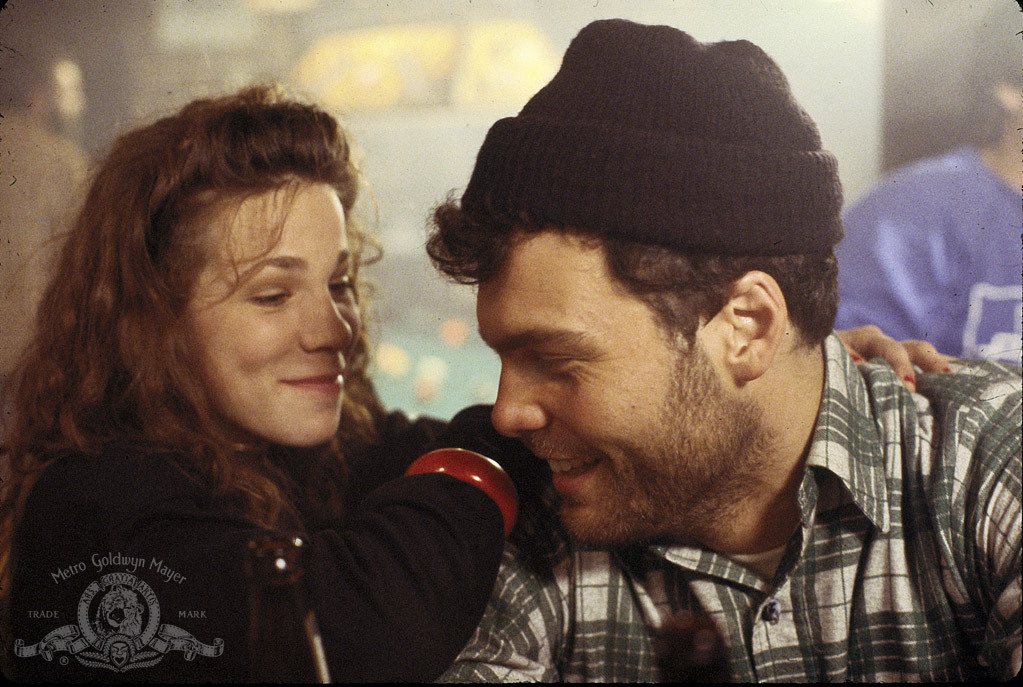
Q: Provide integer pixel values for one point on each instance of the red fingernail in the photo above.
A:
(909, 378)
(946, 369)
(857, 358)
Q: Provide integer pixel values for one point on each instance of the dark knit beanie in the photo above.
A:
(649, 135)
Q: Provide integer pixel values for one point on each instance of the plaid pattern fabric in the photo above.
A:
(906, 566)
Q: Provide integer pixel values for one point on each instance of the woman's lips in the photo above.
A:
(324, 384)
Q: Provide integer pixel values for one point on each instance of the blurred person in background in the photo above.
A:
(933, 251)
(40, 172)
(198, 377)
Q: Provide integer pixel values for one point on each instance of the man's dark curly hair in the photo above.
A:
(681, 288)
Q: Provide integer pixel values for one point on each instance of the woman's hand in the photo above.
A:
(868, 342)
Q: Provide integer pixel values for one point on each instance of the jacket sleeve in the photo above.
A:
(402, 588)
(397, 590)
(525, 631)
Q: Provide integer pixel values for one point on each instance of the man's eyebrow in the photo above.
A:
(537, 336)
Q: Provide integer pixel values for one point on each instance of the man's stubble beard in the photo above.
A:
(704, 456)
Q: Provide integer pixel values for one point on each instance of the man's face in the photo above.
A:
(644, 440)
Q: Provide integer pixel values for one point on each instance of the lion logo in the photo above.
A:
(118, 629)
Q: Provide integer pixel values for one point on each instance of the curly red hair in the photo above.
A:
(107, 363)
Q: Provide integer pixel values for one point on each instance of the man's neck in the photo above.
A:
(1005, 162)
(790, 395)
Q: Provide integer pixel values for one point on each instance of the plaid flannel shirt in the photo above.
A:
(906, 565)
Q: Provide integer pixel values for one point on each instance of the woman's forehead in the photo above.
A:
(300, 217)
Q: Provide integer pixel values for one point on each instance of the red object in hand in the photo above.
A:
(477, 470)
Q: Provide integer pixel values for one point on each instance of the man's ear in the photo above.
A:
(751, 326)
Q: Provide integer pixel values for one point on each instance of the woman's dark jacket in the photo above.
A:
(398, 586)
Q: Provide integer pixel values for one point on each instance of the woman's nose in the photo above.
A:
(331, 325)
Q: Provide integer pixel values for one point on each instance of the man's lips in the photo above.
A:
(570, 477)
(570, 469)
(558, 466)
(561, 458)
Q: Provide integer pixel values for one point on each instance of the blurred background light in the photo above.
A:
(482, 64)
(419, 82)
(279, 6)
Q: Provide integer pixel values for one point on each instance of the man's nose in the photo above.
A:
(517, 410)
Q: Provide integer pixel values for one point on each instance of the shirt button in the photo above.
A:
(771, 613)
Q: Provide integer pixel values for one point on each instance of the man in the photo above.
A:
(933, 251)
(652, 242)
(40, 172)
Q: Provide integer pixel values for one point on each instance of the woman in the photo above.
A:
(198, 376)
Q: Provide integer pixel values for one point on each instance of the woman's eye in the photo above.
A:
(270, 299)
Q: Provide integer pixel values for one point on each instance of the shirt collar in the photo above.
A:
(846, 440)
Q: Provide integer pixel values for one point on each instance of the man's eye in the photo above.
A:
(552, 363)
(343, 288)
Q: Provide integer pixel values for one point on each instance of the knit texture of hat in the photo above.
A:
(649, 135)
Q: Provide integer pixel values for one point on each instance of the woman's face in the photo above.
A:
(272, 330)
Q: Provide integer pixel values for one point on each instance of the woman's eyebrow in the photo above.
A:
(292, 263)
